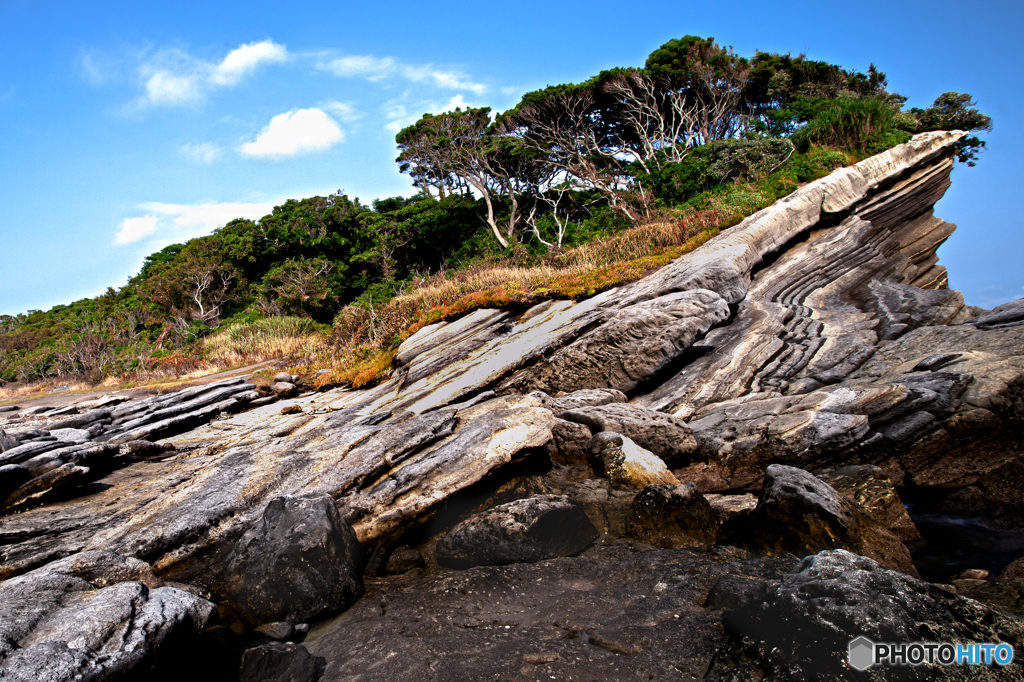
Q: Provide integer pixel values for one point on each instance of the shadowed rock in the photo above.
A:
(800, 628)
(673, 516)
(527, 530)
(277, 662)
(301, 560)
(802, 514)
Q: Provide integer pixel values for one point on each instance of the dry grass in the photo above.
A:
(275, 337)
(369, 336)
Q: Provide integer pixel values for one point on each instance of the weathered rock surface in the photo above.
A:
(626, 464)
(673, 516)
(90, 617)
(529, 530)
(871, 488)
(818, 334)
(800, 627)
(300, 562)
(801, 514)
(668, 438)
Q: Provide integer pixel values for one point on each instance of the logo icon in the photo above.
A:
(862, 653)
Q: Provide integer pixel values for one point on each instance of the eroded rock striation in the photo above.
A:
(811, 355)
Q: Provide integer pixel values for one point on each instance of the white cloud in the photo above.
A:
(246, 58)
(204, 152)
(190, 220)
(174, 77)
(134, 229)
(295, 132)
(163, 87)
(341, 110)
(379, 68)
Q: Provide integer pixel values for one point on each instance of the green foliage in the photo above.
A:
(955, 111)
(710, 165)
(863, 123)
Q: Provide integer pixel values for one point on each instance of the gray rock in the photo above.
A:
(7, 442)
(284, 389)
(300, 561)
(801, 514)
(527, 530)
(673, 516)
(80, 421)
(9, 408)
(280, 631)
(71, 435)
(283, 377)
(632, 345)
(39, 487)
(55, 625)
(277, 662)
(667, 437)
(588, 397)
(607, 506)
(803, 623)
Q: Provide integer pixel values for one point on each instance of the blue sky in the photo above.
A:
(125, 127)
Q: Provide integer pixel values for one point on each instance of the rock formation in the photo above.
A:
(811, 355)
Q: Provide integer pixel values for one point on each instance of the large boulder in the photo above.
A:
(799, 513)
(527, 530)
(673, 516)
(626, 464)
(664, 435)
(800, 628)
(299, 561)
(92, 616)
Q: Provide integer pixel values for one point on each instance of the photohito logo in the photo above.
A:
(864, 653)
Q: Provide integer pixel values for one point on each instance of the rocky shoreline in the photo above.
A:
(694, 476)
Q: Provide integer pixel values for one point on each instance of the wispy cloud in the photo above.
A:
(174, 77)
(381, 68)
(398, 116)
(295, 132)
(134, 229)
(203, 152)
(343, 111)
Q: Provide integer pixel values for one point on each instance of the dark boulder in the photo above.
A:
(277, 662)
(299, 561)
(801, 627)
(668, 515)
(12, 477)
(799, 513)
(527, 530)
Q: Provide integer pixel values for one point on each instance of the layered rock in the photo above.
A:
(817, 334)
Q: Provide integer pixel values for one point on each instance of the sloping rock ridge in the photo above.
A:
(811, 356)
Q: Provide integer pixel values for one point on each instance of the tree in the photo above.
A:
(457, 150)
(955, 111)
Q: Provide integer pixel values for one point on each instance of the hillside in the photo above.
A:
(577, 188)
(699, 472)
